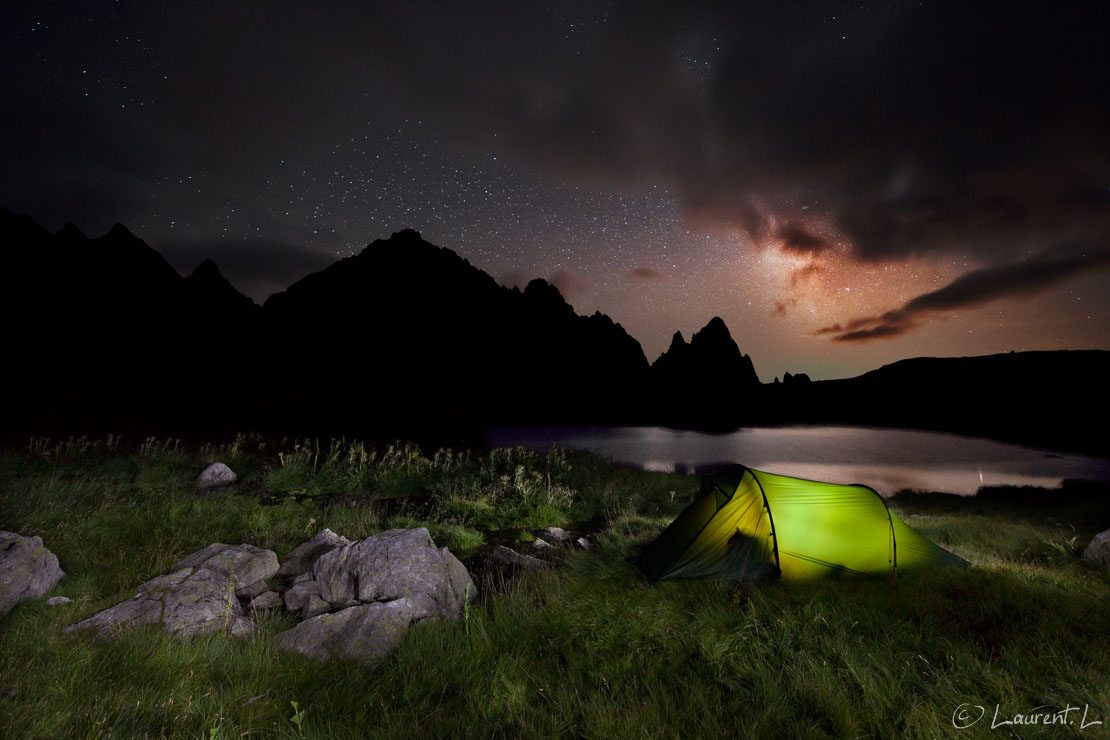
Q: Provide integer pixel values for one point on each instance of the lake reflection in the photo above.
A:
(888, 460)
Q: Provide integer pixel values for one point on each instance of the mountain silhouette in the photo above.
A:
(403, 336)
(1056, 399)
(704, 383)
(406, 330)
(407, 339)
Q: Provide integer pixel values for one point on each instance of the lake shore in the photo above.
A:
(587, 648)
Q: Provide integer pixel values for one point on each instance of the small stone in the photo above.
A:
(507, 556)
(58, 601)
(541, 545)
(555, 534)
(583, 543)
(300, 594)
(216, 475)
(315, 607)
(267, 600)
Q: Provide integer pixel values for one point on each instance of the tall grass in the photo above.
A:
(585, 650)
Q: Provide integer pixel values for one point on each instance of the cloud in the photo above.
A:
(781, 307)
(804, 273)
(903, 129)
(800, 240)
(1020, 279)
(893, 127)
(565, 282)
(645, 274)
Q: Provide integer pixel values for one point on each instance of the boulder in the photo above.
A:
(305, 555)
(315, 606)
(301, 593)
(216, 475)
(554, 534)
(540, 545)
(186, 602)
(1097, 552)
(267, 600)
(364, 633)
(505, 556)
(249, 565)
(27, 570)
(379, 586)
(391, 565)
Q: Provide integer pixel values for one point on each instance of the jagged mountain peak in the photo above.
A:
(70, 233)
(206, 270)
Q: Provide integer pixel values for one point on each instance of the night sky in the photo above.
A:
(845, 185)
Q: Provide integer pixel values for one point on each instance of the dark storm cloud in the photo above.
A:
(913, 127)
(645, 274)
(798, 239)
(1022, 279)
(909, 127)
(256, 268)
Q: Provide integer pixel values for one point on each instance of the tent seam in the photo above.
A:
(771, 517)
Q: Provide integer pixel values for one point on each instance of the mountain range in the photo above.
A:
(407, 339)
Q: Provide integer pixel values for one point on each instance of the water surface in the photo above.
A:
(888, 460)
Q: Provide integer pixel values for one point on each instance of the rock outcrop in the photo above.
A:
(201, 594)
(302, 558)
(27, 570)
(374, 589)
(356, 599)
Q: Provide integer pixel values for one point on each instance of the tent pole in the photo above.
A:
(771, 518)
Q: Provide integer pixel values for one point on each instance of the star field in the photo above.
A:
(840, 189)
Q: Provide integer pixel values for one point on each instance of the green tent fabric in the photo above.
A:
(747, 524)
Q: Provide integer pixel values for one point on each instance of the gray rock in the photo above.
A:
(58, 601)
(27, 570)
(380, 585)
(255, 589)
(300, 593)
(186, 602)
(391, 565)
(304, 555)
(541, 545)
(250, 565)
(267, 600)
(364, 633)
(216, 475)
(506, 556)
(1097, 552)
(315, 606)
(554, 534)
(583, 543)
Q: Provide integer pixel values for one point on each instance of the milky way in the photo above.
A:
(845, 185)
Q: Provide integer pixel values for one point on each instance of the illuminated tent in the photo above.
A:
(748, 524)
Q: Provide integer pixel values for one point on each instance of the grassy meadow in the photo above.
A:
(587, 649)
